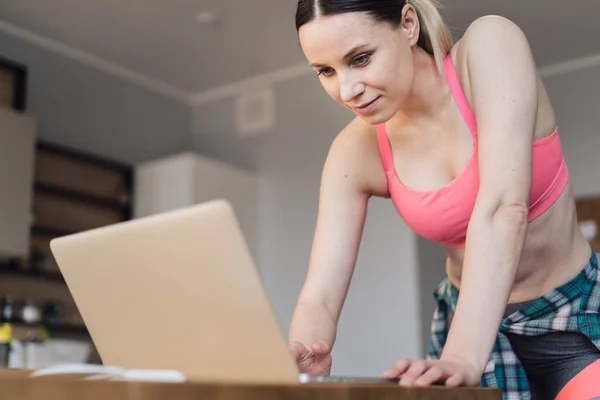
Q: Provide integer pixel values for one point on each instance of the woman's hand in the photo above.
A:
(449, 371)
(314, 361)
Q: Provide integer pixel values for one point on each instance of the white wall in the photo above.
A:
(164, 184)
(215, 179)
(89, 110)
(431, 271)
(576, 99)
(184, 179)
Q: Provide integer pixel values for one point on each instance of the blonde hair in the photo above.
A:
(436, 37)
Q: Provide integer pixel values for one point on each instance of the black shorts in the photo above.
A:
(553, 359)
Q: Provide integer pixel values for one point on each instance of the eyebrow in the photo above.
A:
(349, 54)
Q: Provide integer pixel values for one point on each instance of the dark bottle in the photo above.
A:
(7, 310)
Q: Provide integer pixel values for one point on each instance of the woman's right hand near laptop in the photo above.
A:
(314, 361)
(345, 189)
(312, 334)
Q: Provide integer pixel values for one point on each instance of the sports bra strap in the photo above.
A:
(459, 94)
(385, 149)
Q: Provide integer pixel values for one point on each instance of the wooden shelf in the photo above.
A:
(61, 329)
(80, 196)
(48, 231)
(86, 158)
(73, 191)
(9, 269)
(67, 329)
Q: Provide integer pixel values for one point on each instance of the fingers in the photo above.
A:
(431, 376)
(316, 361)
(303, 356)
(299, 352)
(424, 373)
(397, 369)
(456, 380)
(322, 358)
(416, 370)
(320, 348)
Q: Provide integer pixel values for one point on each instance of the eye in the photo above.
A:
(362, 60)
(327, 71)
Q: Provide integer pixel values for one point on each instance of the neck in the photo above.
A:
(429, 90)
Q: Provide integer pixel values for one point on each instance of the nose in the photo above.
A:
(350, 88)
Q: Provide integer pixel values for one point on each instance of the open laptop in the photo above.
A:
(179, 291)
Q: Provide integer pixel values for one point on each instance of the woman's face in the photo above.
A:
(364, 65)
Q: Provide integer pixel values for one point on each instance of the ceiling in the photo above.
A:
(161, 40)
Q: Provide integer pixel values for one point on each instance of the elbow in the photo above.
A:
(519, 212)
(512, 218)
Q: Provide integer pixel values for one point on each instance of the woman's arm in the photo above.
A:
(345, 189)
(503, 89)
(503, 82)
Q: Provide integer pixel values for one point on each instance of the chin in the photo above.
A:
(374, 119)
(377, 118)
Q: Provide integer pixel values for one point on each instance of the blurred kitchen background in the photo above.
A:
(110, 110)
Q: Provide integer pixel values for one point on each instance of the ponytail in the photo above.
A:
(435, 37)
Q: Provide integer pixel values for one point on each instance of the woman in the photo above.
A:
(462, 137)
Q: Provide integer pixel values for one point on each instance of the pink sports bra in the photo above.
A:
(443, 214)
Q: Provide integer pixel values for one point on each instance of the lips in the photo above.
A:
(367, 104)
(368, 108)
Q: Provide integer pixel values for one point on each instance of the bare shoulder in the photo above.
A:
(354, 154)
(493, 47)
(492, 40)
(493, 35)
(355, 139)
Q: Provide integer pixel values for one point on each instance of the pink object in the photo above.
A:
(443, 214)
(584, 386)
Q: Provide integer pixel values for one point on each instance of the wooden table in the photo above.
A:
(18, 386)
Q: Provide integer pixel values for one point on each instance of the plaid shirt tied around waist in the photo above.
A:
(572, 307)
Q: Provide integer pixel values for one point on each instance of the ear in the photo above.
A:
(411, 25)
